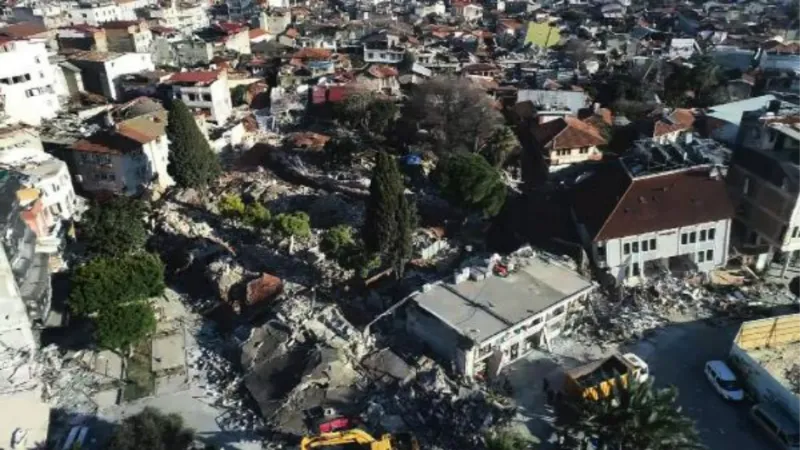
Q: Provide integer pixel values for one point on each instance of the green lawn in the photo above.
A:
(140, 381)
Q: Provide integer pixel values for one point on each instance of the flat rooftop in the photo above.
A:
(777, 360)
(481, 309)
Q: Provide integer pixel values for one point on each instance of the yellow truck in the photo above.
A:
(356, 439)
(595, 380)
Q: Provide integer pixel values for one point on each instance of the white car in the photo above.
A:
(642, 369)
(724, 381)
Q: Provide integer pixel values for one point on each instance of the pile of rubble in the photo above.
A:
(439, 411)
(659, 301)
(221, 383)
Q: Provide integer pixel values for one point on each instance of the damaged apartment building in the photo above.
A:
(482, 320)
(764, 180)
(663, 206)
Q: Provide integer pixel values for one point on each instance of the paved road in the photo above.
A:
(676, 356)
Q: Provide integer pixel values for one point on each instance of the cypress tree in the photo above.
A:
(192, 162)
(406, 218)
(385, 191)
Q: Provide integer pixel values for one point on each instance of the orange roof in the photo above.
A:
(567, 133)
(22, 30)
(382, 71)
(257, 33)
(312, 53)
(309, 139)
(678, 120)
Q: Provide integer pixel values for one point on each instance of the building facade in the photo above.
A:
(27, 82)
(100, 71)
(206, 91)
(131, 36)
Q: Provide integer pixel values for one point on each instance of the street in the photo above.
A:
(676, 355)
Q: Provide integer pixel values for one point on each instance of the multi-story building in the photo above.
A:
(186, 18)
(130, 36)
(275, 21)
(93, 12)
(100, 70)
(129, 155)
(568, 140)
(171, 48)
(660, 207)
(383, 48)
(50, 15)
(82, 37)
(764, 179)
(127, 8)
(206, 91)
(240, 9)
(21, 151)
(27, 82)
(481, 322)
(226, 36)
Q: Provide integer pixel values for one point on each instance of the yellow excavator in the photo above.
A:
(356, 439)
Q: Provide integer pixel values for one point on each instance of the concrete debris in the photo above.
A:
(225, 274)
(72, 385)
(655, 302)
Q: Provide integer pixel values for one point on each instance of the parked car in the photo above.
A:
(724, 381)
(642, 369)
(781, 429)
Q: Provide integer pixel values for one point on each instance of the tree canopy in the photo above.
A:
(457, 113)
(108, 281)
(367, 111)
(115, 227)
(469, 181)
(112, 292)
(152, 430)
(638, 416)
(499, 146)
(336, 240)
(192, 162)
(295, 224)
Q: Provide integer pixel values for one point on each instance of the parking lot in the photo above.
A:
(676, 356)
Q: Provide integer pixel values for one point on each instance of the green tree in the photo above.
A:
(122, 326)
(231, 205)
(105, 282)
(499, 146)
(239, 95)
(402, 248)
(192, 162)
(385, 190)
(151, 430)
(115, 227)
(506, 440)
(469, 181)
(340, 150)
(257, 215)
(296, 224)
(636, 417)
(337, 240)
(367, 112)
(457, 113)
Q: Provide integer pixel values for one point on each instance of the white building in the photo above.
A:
(184, 18)
(481, 323)
(21, 151)
(661, 207)
(128, 157)
(100, 70)
(94, 13)
(27, 82)
(206, 91)
(127, 8)
(425, 9)
(682, 48)
(468, 11)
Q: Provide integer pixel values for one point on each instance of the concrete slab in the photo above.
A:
(106, 363)
(168, 353)
(25, 411)
(106, 398)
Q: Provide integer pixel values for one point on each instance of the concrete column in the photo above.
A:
(788, 258)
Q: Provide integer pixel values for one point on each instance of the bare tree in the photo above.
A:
(458, 114)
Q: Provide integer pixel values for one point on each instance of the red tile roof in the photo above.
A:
(257, 33)
(230, 27)
(677, 120)
(309, 53)
(612, 205)
(567, 133)
(382, 71)
(22, 30)
(158, 29)
(203, 77)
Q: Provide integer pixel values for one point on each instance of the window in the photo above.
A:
(38, 61)
(635, 247)
(684, 238)
(746, 186)
(709, 255)
(645, 246)
(636, 271)
(702, 235)
(652, 244)
(192, 97)
(693, 237)
(795, 232)
(206, 97)
(711, 233)
(701, 257)
(27, 77)
(584, 151)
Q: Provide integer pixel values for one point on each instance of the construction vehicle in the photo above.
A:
(596, 380)
(357, 439)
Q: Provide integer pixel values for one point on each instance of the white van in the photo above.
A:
(780, 428)
(724, 381)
